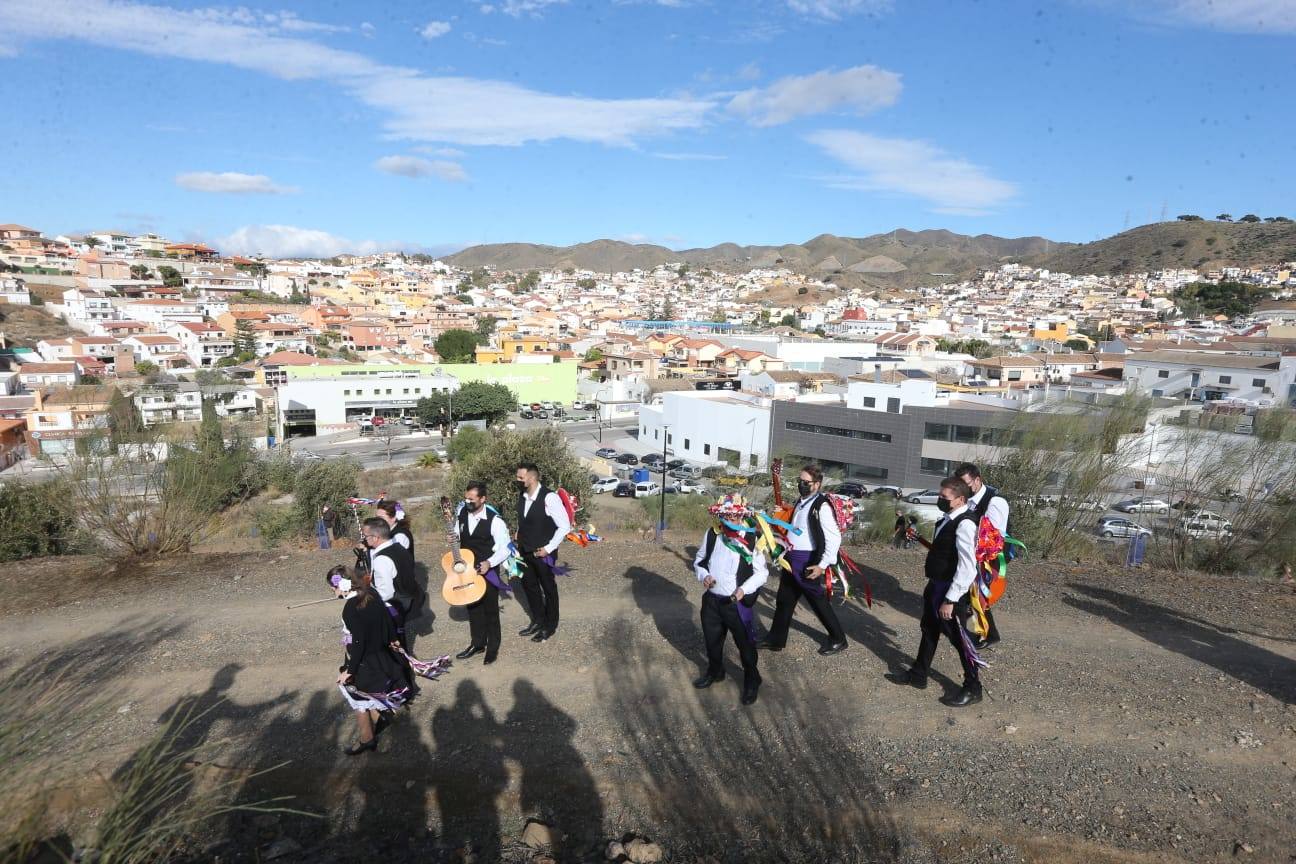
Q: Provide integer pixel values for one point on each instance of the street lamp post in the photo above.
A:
(661, 524)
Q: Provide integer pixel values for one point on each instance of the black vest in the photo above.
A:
(983, 509)
(406, 585)
(744, 567)
(399, 529)
(815, 527)
(942, 558)
(479, 541)
(535, 529)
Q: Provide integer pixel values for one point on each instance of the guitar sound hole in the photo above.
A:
(459, 567)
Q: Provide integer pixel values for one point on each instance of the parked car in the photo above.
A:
(604, 484)
(1084, 503)
(690, 487)
(605, 453)
(624, 489)
(627, 459)
(1206, 530)
(578, 405)
(927, 496)
(686, 472)
(548, 406)
(851, 490)
(647, 488)
(893, 491)
(542, 414)
(1143, 505)
(653, 459)
(1117, 527)
(526, 414)
(675, 464)
(407, 421)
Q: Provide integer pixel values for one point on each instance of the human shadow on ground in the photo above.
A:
(425, 616)
(468, 774)
(673, 610)
(1163, 626)
(782, 780)
(557, 787)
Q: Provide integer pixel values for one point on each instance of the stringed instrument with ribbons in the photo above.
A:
(463, 584)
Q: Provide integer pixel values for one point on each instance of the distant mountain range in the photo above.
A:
(902, 259)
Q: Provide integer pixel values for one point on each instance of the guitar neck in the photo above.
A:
(452, 535)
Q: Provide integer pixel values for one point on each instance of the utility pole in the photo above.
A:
(661, 524)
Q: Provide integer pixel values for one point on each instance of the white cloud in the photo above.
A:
(413, 166)
(367, 29)
(518, 8)
(1234, 16)
(289, 241)
(835, 10)
(443, 152)
(749, 72)
(418, 106)
(232, 182)
(691, 157)
(858, 90)
(911, 167)
(433, 29)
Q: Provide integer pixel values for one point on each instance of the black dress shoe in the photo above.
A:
(766, 645)
(908, 678)
(707, 680)
(749, 695)
(834, 648)
(470, 651)
(963, 698)
(530, 630)
(986, 643)
(541, 635)
(489, 659)
(362, 747)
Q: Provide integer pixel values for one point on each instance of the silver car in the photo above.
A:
(1117, 527)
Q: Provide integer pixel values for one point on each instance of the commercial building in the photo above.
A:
(1203, 375)
(709, 427)
(532, 382)
(310, 406)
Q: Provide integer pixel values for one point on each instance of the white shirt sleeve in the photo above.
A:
(499, 534)
(965, 542)
(402, 539)
(698, 569)
(555, 510)
(831, 533)
(760, 572)
(997, 513)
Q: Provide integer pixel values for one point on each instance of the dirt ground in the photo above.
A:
(1129, 716)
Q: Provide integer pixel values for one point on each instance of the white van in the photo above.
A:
(646, 489)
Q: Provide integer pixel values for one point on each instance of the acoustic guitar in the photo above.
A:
(463, 584)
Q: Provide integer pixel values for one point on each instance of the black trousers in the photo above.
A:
(484, 621)
(720, 616)
(790, 591)
(933, 626)
(541, 591)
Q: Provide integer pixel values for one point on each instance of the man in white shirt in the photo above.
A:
(950, 569)
(542, 524)
(393, 572)
(486, 535)
(732, 584)
(991, 505)
(813, 551)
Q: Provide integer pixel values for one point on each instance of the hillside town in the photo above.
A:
(723, 368)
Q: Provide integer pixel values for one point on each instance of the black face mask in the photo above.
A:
(803, 488)
(943, 505)
(521, 485)
(472, 508)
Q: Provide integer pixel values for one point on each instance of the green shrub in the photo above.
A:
(496, 466)
(683, 512)
(38, 519)
(330, 482)
(467, 443)
(276, 524)
(428, 460)
(280, 473)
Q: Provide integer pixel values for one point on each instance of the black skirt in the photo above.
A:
(374, 667)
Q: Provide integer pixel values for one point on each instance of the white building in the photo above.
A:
(1207, 375)
(709, 427)
(160, 313)
(312, 406)
(87, 305)
(808, 355)
(14, 290)
(203, 343)
(177, 403)
(163, 351)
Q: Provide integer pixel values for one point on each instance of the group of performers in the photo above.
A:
(732, 566)
(802, 542)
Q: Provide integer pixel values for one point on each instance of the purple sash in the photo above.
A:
(800, 559)
(493, 577)
(747, 615)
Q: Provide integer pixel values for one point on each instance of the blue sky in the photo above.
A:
(295, 129)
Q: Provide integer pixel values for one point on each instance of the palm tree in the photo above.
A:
(92, 242)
